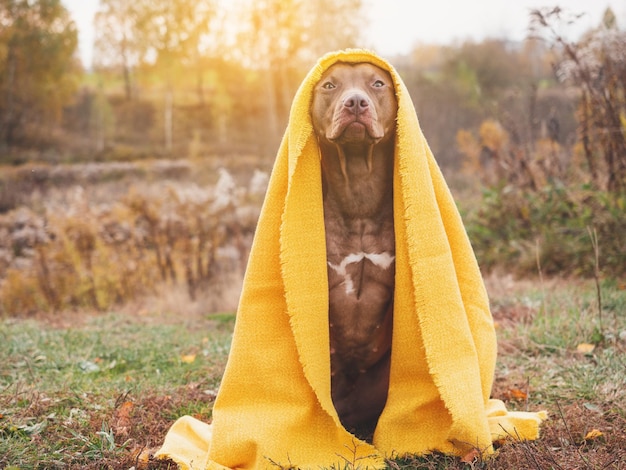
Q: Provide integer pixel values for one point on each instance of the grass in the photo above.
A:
(96, 391)
(561, 344)
(93, 395)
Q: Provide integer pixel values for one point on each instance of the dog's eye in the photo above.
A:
(328, 86)
(378, 84)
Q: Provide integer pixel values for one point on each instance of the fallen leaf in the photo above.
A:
(518, 394)
(143, 456)
(471, 456)
(123, 422)
(188, 358)
(499, 443)
(593, 434)
(585, 348)
(593, 407)
(88, 367)
(34, 428)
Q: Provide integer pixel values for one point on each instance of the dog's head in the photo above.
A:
(354, 104)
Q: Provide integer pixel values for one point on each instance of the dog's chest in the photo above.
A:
(361, 260)
(361, 274)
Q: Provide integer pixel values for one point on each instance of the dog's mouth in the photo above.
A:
(355, 129)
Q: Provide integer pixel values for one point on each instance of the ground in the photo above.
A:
(99, 390)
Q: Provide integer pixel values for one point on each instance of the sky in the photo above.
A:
(395, 26)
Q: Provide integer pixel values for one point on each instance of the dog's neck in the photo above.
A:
(358, 179)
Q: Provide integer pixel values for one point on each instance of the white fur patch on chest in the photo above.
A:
(382, 260)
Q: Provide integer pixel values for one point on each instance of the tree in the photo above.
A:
(243, 69)
(38, 66)
(163, 35)
(280, 37)
(172, 33)
(117, 44)
(334, 24)
(494, 65)
(597, 67)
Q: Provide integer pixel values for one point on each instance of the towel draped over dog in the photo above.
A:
(274, 405)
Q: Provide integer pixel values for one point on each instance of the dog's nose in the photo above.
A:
(356, 102)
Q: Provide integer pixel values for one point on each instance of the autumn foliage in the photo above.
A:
(545, 200)
(38, 71)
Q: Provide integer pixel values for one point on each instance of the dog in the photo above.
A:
(353, 112)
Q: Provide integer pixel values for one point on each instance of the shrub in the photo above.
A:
(525, 230)
(82, 254)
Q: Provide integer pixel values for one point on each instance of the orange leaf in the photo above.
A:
(471, 456)
(518, 394)
(585, 348)
(593, 434)
(143, 457)
(188, 358)
(123, 412)
(499, 443)
(123, 422)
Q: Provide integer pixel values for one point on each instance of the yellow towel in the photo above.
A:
(274, 405)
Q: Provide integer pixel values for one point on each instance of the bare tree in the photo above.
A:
(117, 43)
(597, 66)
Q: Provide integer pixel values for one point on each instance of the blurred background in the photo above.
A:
(136, 137)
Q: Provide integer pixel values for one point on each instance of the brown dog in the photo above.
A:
(354, 116)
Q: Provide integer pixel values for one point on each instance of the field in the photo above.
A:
(99, 390)
(93, 377)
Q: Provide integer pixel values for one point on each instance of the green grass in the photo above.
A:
(60, 388)
(109, 352)
(566, 317)
(92, 391)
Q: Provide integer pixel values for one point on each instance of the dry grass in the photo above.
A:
(94, 247)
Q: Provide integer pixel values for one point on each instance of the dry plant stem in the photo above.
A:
(571, 436)
(351, 464)
(601, 99)
(596, 273)
(543, 287)
(547, 451)
(280, 466)
(530, 455)
(527, 393)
